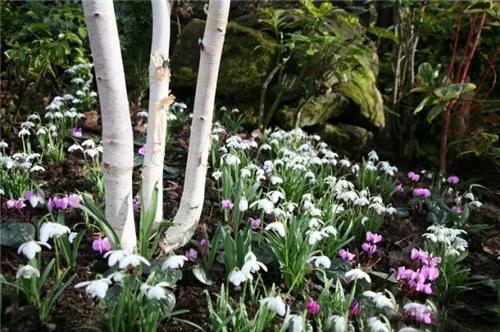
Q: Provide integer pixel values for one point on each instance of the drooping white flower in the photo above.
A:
(117, 276)
(330, 230)
(27, 272)
(316, 236)
(275, 196)
(275, 303)
(376, 325)
(320, 261)
(251, 264)
(315, 222)
(338, 322)
(96, 288)
(31, 248)
(277, 227)
(217, 175)
(237, 276)
(276, 180)
(37, 168)
(132, 260)
(174, 262)
(355, 274)
(75, 147)
(156, 292)
(50, 230)
(380, 300)
(296, 322)
(3, 144)
(115, 256)
(72, 236)
(264, 204)
(243, 204)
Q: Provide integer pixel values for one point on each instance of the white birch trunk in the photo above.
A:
(159, 79)
(117, 137)
(188, 215)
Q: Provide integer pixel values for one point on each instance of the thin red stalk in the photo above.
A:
(450, 74)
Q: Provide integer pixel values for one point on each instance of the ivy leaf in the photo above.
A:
(14, 234)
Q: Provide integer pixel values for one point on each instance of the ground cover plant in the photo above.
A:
(193, 216)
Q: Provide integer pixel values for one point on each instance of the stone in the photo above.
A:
(346, 138)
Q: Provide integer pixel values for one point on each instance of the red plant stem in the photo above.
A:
(450, 74)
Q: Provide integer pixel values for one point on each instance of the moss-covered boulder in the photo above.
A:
(247, 57)
(346, 138)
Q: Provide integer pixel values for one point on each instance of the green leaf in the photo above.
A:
(95, 212)
(425, 73)
(14, 234)
(435, 111)
(421, 105)
(202, 275)
(478, 7)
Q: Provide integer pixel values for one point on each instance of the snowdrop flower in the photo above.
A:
(156, 292)
(34, 199)
(72, 236)
(330, 230)
(243, 204)
(37, 168)
(133, 260)
(338, 322)
(276, 180)
(252, 265)
(49, 230)
(174, 262)
(380, 300)
(89, 143)
(275, 196)
(3, 144)
(376, 325)
(217, 175)
(142, 114)
(356, 274)
(115, 256)
(315, 222)
(231, 159)
(75, 147)
(316, 236)
(320, 261)
(27, 272)
(372, 155)
(264, 204)
(117, 276)
(265, 147)
(31, 248)
(277, 227)
(237, 276)
(24, 132)
(275, 303)
(296, 322)
(96, 288)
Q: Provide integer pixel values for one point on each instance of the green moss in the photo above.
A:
(346, 138)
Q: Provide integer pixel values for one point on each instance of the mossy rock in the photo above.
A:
(346, 138)
(248, 55)
(362, 90)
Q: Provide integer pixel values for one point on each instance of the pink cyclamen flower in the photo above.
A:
(430, 273)
(373, 237)
(205, 246)
(136, 203)
(421, 315)
(355, 307)
(399, 188)
(142, 150)
(312, 307)
(227, 204)
(254, 223)
(192, 254)
(457, 209)
(15, 204)
(412, 176)
(73, 201)
(369, 248)
(421, 192)
(76, 132)
(417, 254)
(346, 255)
(101, 245)
(453, 179)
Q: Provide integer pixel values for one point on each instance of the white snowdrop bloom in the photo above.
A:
(372, 155)
(343, 185)
(237, 276)
(179, 105)
(265, 147)
(96, 288)
(316, 137)
(277, 227)
(369, 166)
(174, 262)
(76, 101)
(477, 204)
(260, 174)
(31, 248)
(79, 93)
(316, 161)
(290, 206)
(355, 274)
(345, 163)
(379, 208)
(26, 165)
(75, 147)
(132, 260)
(276, 180)
(347, 196)
(243, 204)
(337, 208)
(24, 132)
(307, 204)
(89, 143)
(115, 256)
(156, 292)
(264, 204)
(27, 125)
(315, 212)
(142, 114)
(245, 172)
(251, 264)
(268, 166)
(34, 117)
(117, 276)
(330, 230)
(72, 236)
(275, 196)
(3, 144)
(361, 201)
(320, 261)
(27, 272)
(376, 325)
(296, 323)
(53, 128)
(37, 168)
(8, 162)
(281, 213)
(77, 80)
(275, 303)
(469, 196)
(315, 223)
(231, 159)
(68, 97)
(390, 210)
(316, 236)
(380, 300)
(376, 199)
(58, 115)
(338, 322)
(49, 115)
(50, 230)
(41, 131)
(310, 175)
(387, 168)
(92, 152)
(409, 329)
(355, 169)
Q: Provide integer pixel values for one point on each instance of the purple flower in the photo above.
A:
(355, 307)
(423, 287)
(227, 204)
(412, 176)
(101, 245)
(453, 179)
(420, 314)
(15, 203)
(346, 255)
(373, 237)
(312, 307)
(74, 201)
(142, 150)
(136, 203)
(254, 223)
(431, 273)
(417, 254)
(457, 209)
(76, 132)
(205, 246)
(192, 254)
(399, 188)
(421, 192)
(369, 248)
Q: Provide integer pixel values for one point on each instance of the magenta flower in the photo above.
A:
(453, 179)
(254, 223)
(73, 201)
(136, 203)
(142, 150)
(457, 209)
(101, 245)
(346, 255)
(417, 254)
(312, 307)
(76, 132)
(421, 192)
(430, 273)
(399, 188)
(355, 307)
(14, 204)
(412, 176)
(369, 248)
(227, 204)
(420, 314)
(192, 254)
(425, 288)
(373, 237)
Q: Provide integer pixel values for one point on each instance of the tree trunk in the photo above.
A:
(117, 137)
(159, 79)
(193, 195)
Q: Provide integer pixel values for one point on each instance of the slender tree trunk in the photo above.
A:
(193, 195)
(117, 137)
(159, 79)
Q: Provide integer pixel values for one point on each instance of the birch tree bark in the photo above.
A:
(117, 137)
(193, 195)
(159, 79)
